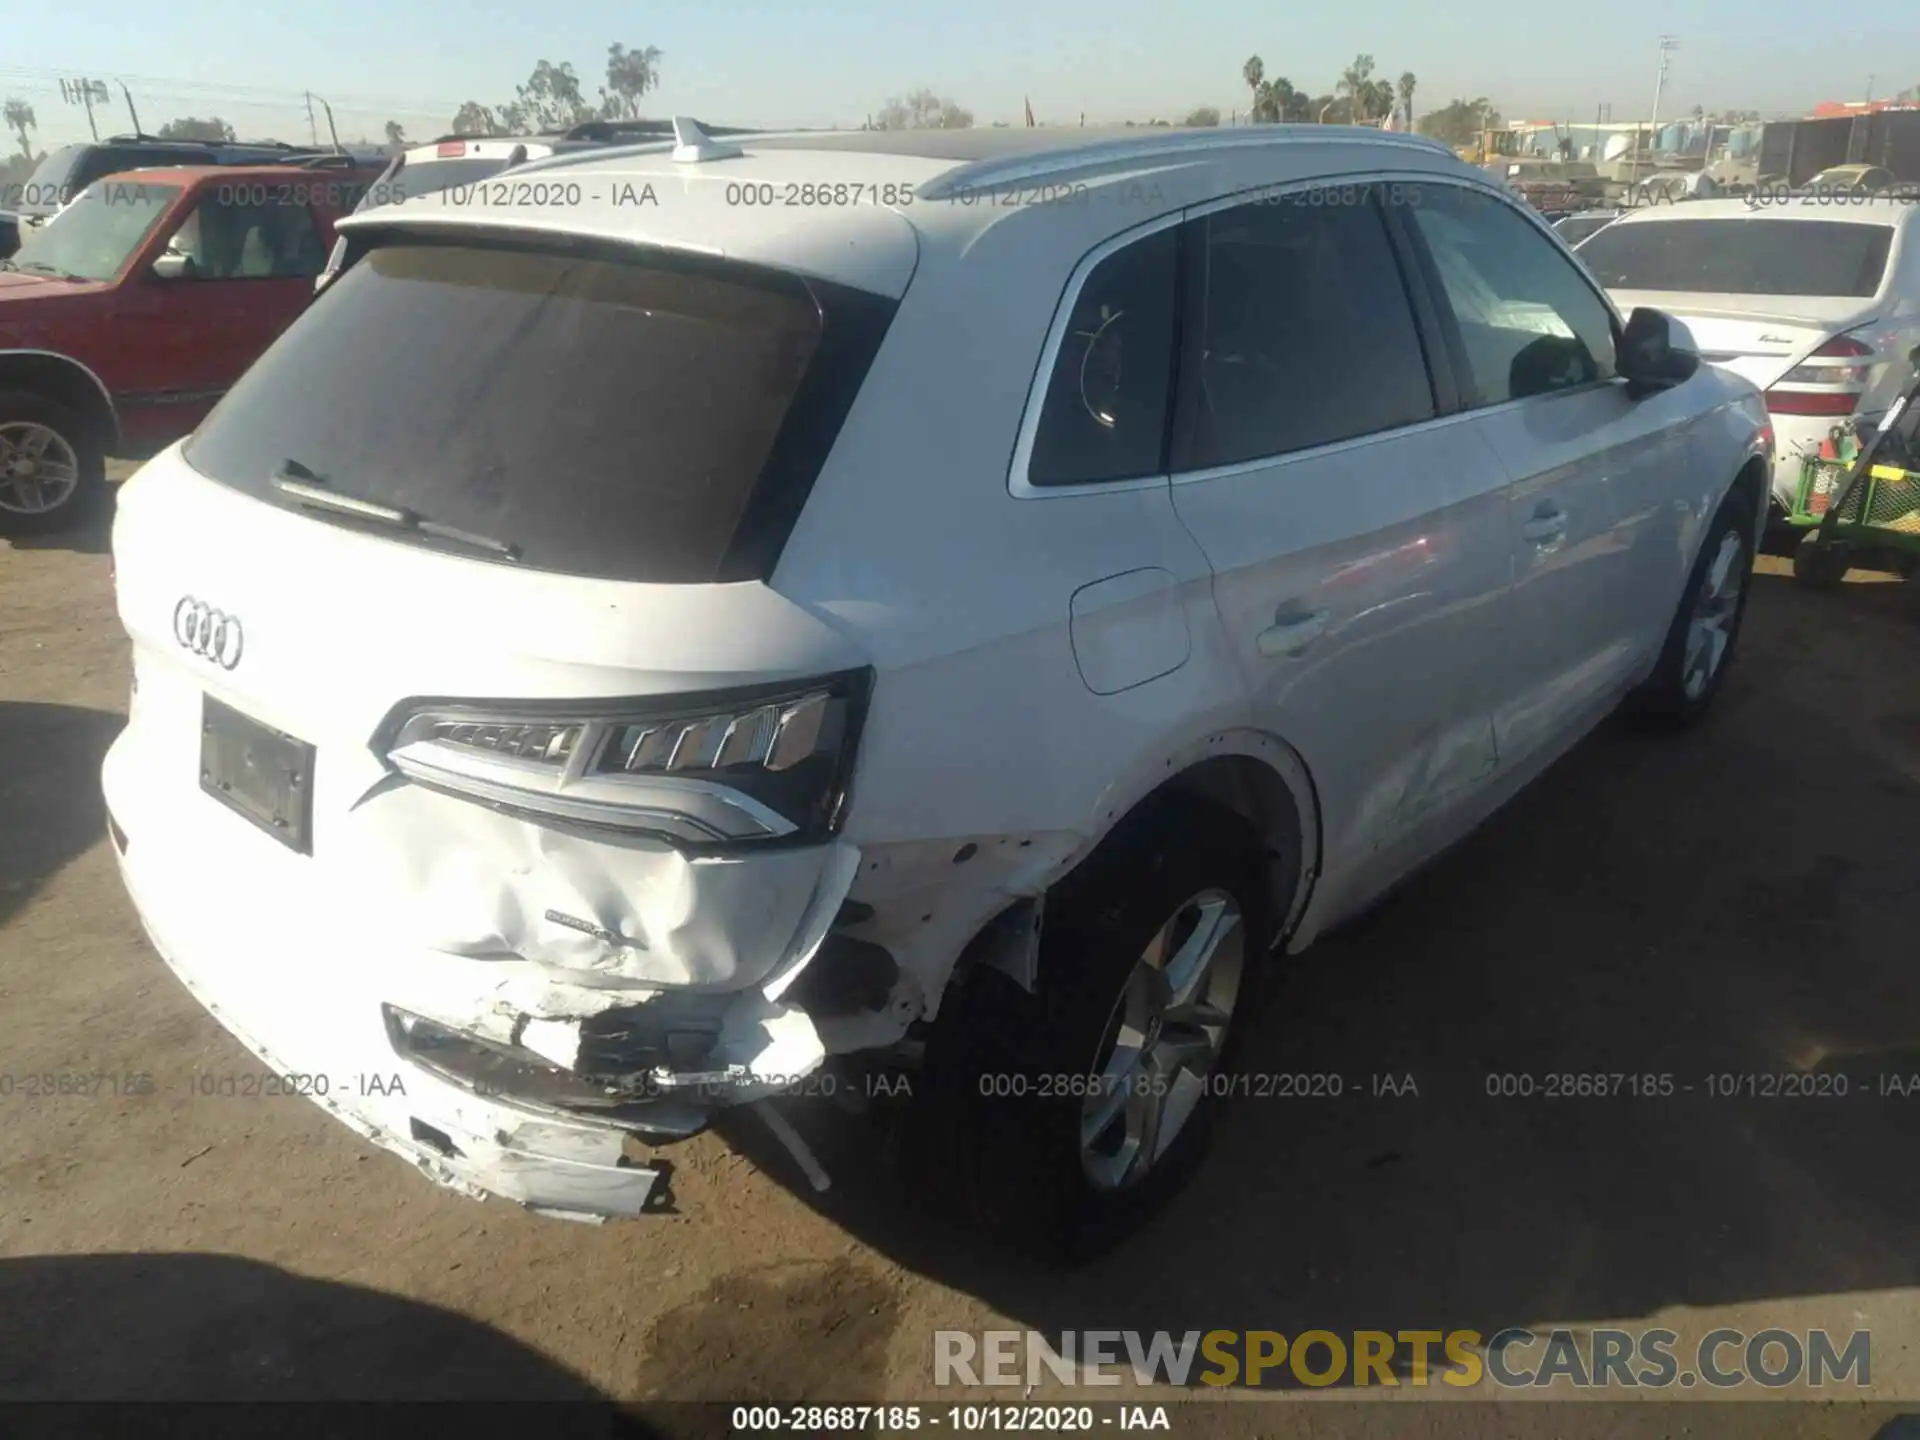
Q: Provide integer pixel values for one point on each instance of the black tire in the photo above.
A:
(1665, 702)
(80, 504)
(1006, 1152)
(1820, 566)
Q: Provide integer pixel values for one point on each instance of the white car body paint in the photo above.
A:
(1044, 660)
(1762, 337)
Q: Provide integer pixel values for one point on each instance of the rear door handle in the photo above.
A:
(1291, 634)
(1544, 529)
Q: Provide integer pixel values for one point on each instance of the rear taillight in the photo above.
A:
(448, 148)
(728, 768)
(1824, 383)
(1811, 402)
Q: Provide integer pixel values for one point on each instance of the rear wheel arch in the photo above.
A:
(1753, 483)
(1254, 776)
(68, 383)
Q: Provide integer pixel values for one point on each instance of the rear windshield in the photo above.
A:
(1742, 256)
(1576, 228)
(602, 414)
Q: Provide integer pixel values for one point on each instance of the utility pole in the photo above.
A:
(1668, 44)
(85, 92)
(313, 133)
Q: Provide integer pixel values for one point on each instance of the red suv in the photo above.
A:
(126, 317)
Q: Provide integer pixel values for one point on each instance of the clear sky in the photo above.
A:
(759, 62)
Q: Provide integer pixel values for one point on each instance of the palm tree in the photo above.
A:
(1356, 87)
(1254, 72)
(1406, 95)
(19, 117)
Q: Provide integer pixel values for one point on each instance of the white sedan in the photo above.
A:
(1814, 298)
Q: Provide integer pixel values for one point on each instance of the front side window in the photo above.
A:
(1529, 323)
(245, 232)
(1307, 336)
(1105, 413)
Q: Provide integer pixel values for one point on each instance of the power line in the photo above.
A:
(160, 85)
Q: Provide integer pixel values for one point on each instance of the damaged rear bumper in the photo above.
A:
(491, 1075)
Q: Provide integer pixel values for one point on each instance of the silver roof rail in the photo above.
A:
(1008, 169)
(565, 158)
(693, 146)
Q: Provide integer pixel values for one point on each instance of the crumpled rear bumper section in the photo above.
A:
(493, 1074)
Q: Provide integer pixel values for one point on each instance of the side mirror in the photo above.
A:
(174, 266)
(1649, 358)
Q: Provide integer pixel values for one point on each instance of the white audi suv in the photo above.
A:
(963, 605)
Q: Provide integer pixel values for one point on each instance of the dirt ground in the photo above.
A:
(1745, 898)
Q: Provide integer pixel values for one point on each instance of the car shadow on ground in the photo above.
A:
(1738, 901)
(50, 806)
(200, 1327)
(95, 1331)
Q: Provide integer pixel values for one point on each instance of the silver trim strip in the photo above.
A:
(1017, 483)
(1195, 144)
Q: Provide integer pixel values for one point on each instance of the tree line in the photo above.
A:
(552, 98)
(1358, 97)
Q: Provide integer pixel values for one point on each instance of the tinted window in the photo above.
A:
(249, 232)
(603, 416)
(65, 172)
(1740, 256)
(1306, 335)
(1529, 322)
(1576, 228)
(51, 185)
(1105, 414)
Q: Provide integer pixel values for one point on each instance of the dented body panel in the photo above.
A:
(1029, 668)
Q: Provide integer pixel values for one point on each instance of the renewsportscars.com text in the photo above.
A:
(1514, 1358)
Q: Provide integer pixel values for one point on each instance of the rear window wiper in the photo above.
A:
(314, 492)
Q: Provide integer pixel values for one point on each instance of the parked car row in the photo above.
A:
(138, 305)
(977, 637)
(64, 173)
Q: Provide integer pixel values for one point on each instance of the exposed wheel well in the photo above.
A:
(67, 382)
(1751, 484)
(1281, 810)
(1258, 794)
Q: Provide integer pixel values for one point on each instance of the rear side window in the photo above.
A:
(1307, 336)
(1740, 256)
(603, 415)
(1528, 322)
(1105, 413)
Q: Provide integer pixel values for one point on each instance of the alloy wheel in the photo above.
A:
(1710, 626)
(39, 470)
(1167, 1030)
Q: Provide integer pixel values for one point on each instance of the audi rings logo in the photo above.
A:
(208, 632)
